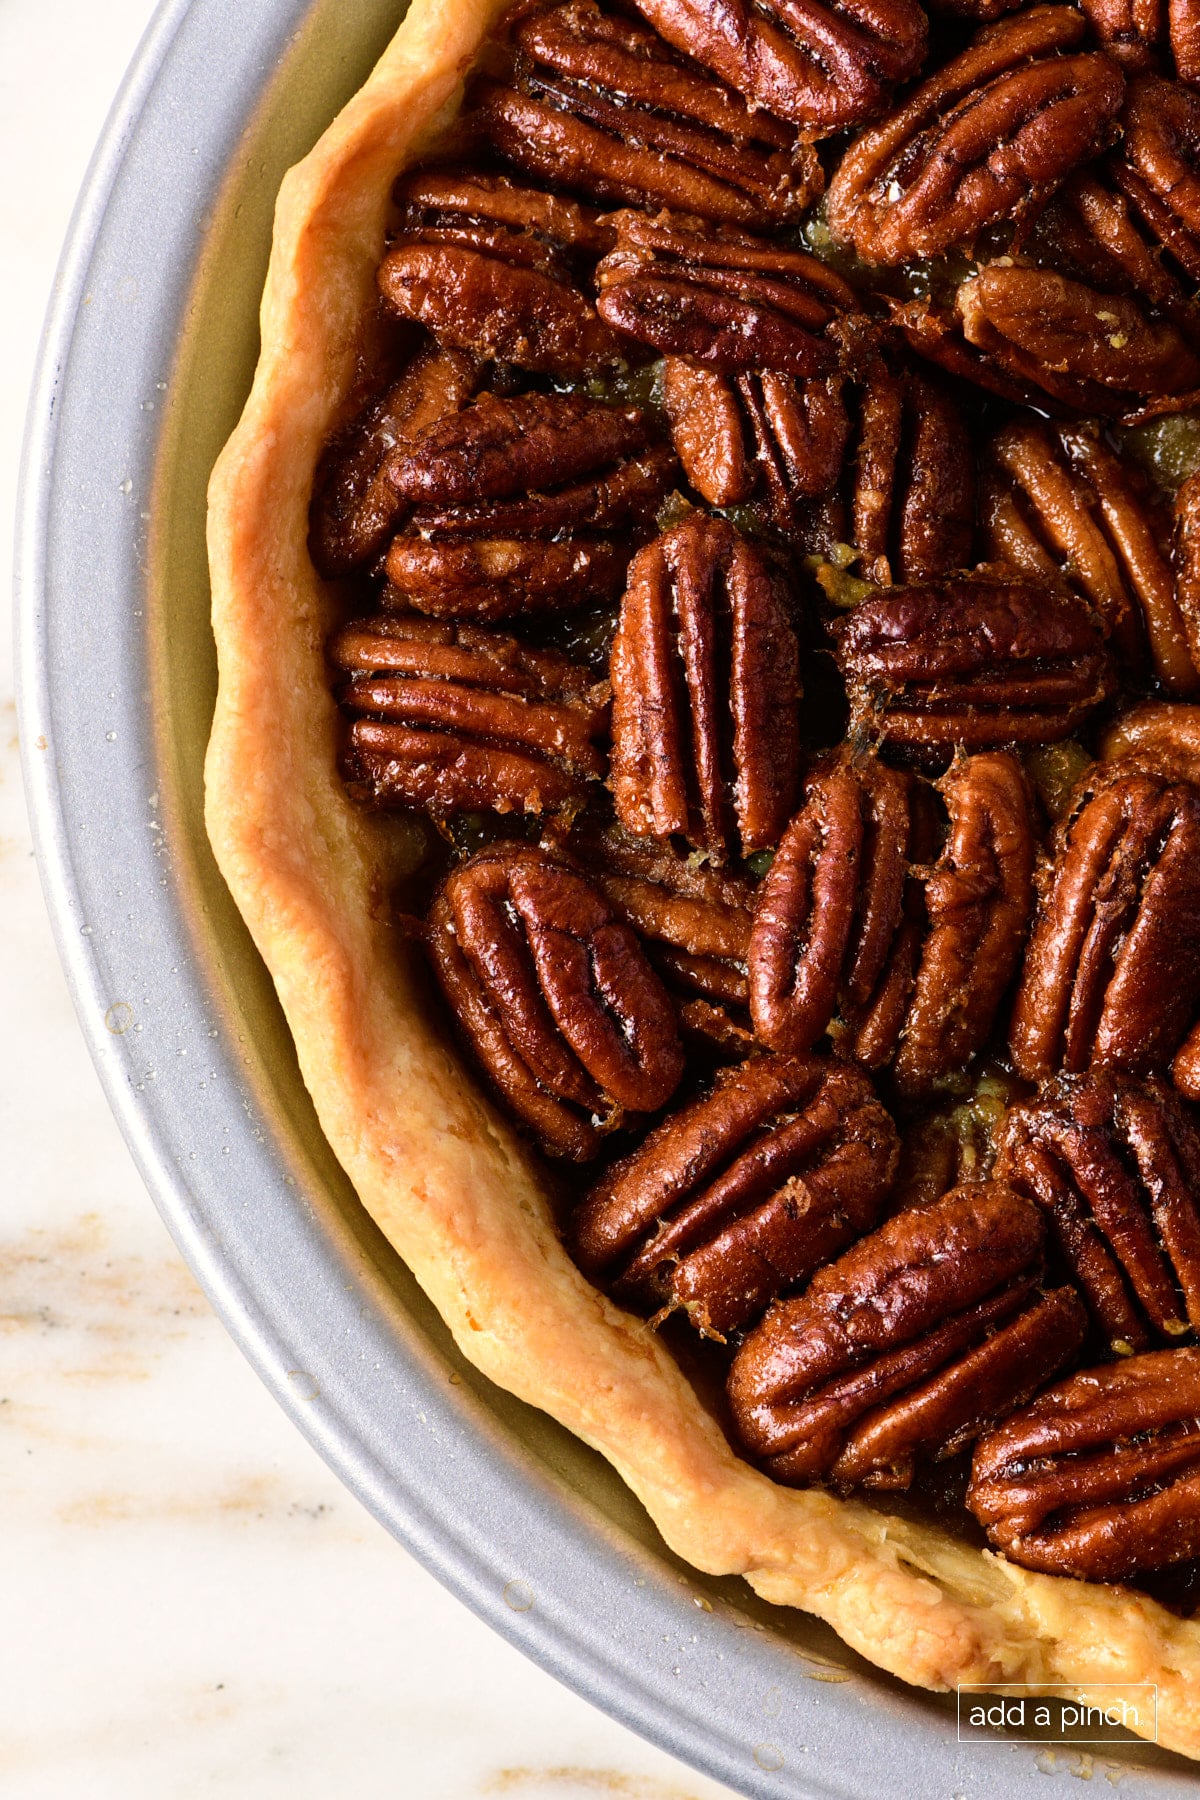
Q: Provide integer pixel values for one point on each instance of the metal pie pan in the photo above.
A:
(149, 350)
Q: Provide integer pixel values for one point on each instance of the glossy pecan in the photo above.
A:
(1158, 164)
(1143, 33)
(893, 453)
(988, 137)
(831, 906)
(1115, 1164)
(907, 501)
(491, 578)
(1093, 350)
(706, 685)
(498, 449)
(824, 63)
(1112, 974)
(354, 507)
(917, 961)
(457, 201)
(603, 106)
(934, 331)
(989, 658)
(487, 267)
(1100, 1476)
(720, 297)
(742, 1194)
(554, 996)
(978, 902)
(907, 1347)
(453, 717)
(522, 504)
(757, 431)
(1092, 233)
(693, 920)
(1060, 502)
(1158, 737)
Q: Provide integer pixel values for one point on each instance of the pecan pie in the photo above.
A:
(732, 875)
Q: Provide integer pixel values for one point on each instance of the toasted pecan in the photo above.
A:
(601, 105)
(988, 137)
(973, 660)
(1116, 1166)
(554, 996)
(916, 963)
(824, 63)
(706, 686)
(355, 508)
(1059, 501)
(915, 1340)
(1100, 1476)
(454, 717)
(1112, 973)
(739, 1196)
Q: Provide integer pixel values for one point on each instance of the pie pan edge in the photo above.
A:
(443, 1177)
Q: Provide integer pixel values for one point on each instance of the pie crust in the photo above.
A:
(441, 1173)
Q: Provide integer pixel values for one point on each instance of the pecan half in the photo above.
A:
(1158, 165)
(978, 900)
(465, 267)
(706, 685)
(603, 106)
(1112, 974)
(497, 448)
(515, 502)
(557, 1001)
(907, 1347)
(454, 199)
(1093, 350)
(760, 429)
(354, 506)
(452, 717)
(1100, 1476)
(1116, 1166)
(1141, 32)
(988, 137)
(720, 297)
(742, 1194)
(493, 578)
(919, 982)
(824, 63)
(899, 444)
(1059, 502)
(935, 333)
(694, 922)
(832, 904)
(982, 659)
(908, 501)
(1091, 232)
(1158, 737)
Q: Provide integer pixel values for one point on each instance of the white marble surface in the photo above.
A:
(190, 1604)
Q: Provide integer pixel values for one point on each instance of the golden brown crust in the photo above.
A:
(443, 1176)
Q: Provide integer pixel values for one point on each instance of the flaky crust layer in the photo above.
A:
(441, 1173)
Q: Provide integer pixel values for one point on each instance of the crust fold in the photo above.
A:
(439, 1171)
